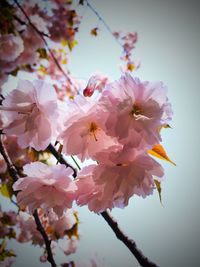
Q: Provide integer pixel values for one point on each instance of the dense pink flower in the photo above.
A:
(46, 186)
(87, 192)
(11, 47)
(119, 175)
(135, 106)
(31, 113)
(84, 134)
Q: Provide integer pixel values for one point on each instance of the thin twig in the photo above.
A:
(103, 22)
(15, 176)
(61, 159)
(45, 42)
(130, 244)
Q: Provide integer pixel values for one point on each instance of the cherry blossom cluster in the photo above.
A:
(128, 42)
(22, 227)
(25, 34)
(115, 128)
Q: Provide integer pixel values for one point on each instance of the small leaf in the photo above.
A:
(43, 53)
(6, 189)
(72, 44)
(159, 152)
(64, 42)
(73, 231)
(164, 126)
(159, 189)
(94, 31)
(15, 71)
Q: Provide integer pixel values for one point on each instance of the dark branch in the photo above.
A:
(130, 244)
(11, 168)
(15, 176)
(61, 159)
(46, 239)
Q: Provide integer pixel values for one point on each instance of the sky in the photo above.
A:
(168, 49)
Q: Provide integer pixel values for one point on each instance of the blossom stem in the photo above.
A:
(74, 160)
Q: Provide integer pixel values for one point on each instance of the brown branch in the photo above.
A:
(130, 244)
(40, 228)
(11, 168)
(15, 176)
(61, 159)
(45, 42)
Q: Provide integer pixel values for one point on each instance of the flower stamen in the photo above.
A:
(93, 129)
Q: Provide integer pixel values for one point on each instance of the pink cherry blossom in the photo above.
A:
(96, 82)
(46, 186)
(28, 230)
(64, 223)
(89, 193)
(119, 176)
(31, 113)
(71, 246)
(135, 106)
(84, 133)
(11, 47)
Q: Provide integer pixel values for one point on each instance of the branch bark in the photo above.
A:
(11, 168)
(47, 241)
(130, 244)
(61, 159)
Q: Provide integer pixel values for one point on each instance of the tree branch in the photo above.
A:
(40, 228)
(130, 244)
(45, 42)
(61, 159)
(15, 176)
(11, 168)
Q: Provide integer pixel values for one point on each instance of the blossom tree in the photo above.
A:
(115, 124)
